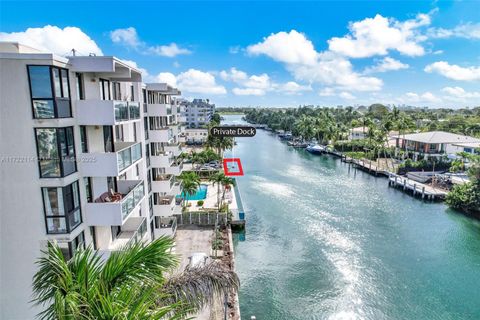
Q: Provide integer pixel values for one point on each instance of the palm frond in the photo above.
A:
(138, 262)
(200, 286)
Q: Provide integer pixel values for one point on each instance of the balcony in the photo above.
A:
(174, 148)
(133, 231)
(113, 209)
(110, 164)
(159, 110)
(167, 226)
(165, 207)
(162, 159)
(161, 135)
(163, 183)
(106, 112)
(175, 168)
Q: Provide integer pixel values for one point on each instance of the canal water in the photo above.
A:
(324, 241)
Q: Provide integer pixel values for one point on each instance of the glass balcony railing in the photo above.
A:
(128, 156)
(132, 199)
(125, 111)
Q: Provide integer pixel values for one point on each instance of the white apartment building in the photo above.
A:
(75, 161)
(198, 113)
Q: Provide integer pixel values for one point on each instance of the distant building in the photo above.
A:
(196, 135)
(434, 144)
(197, 113)
(358, 133)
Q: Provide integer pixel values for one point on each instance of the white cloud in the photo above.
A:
(453, 71)
(196, 81)
(333, 70)
(248, 92)
(233, 75)
(387, 64)
(166, 77)
(292, 48)
(291, 87)
(346, 95)
(426, 97)
(306, 64)
(170, 50)
(327, 92)
(378, 35)
(256, 85)
(466, 30)
(128, 37)
(259, 85)
(458, 92)
(54, 39)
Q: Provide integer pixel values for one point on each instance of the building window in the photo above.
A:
(132, 94)
(115, 232)
(105, 89)
(69, 248)
(117, 92)
(62, 208)
(150, 205)
(49, 92)
(83, 139)
(79, 86)
(108, 139)
(88, 188)
(56, 152)
(145, 124)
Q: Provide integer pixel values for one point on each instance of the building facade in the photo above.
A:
(76, 166)
(433, 144)
(197, 113)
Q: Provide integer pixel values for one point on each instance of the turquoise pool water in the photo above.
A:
(199, 195)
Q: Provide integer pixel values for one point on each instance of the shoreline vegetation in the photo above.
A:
(381, 129)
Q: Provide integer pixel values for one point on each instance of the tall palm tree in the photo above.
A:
(217, 179)
(130, 284)
(190, 184)
(227, 181)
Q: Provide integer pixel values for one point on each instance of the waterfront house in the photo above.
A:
(358, 133)
(434, 144)
(468, 147)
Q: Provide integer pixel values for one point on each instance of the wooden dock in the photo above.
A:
(422, 190)
(370, 167)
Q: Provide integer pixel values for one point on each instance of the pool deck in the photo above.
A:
(210, 202)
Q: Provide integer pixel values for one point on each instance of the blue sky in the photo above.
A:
(275, 53)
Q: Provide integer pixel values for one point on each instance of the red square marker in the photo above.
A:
(235, 170)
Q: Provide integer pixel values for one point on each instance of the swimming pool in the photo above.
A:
(199, 195)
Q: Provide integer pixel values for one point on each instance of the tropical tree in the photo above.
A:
(190, 184)
(227, 181)
(217, 179)
(130, 284)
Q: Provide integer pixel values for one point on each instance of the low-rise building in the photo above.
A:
(434, 144)
(358, 133)
(196, 135)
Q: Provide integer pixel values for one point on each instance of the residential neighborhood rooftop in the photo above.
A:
(439, 137)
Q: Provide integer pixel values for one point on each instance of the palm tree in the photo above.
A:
(227, 181)
(130, 284)
(190, 183)
(217, 179)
